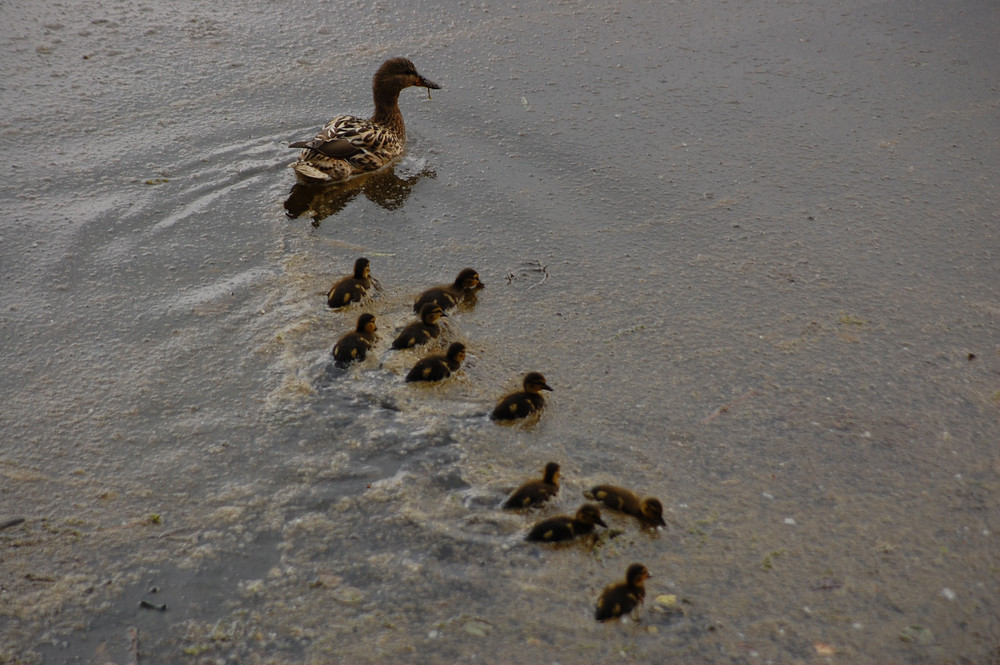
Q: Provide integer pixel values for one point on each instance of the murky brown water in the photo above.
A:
(752, 246)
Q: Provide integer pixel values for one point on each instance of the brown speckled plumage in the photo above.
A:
(349, 145)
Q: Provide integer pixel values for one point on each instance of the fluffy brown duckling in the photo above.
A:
(564, 527)
(351, 288)
(348, 145)
(524, 403)
(623, 597)
(649, 511)
(536, 492)
(422, 331)
(448, 295)
(438, 367)
(354, 345)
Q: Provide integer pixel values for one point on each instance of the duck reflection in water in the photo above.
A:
(383, 188)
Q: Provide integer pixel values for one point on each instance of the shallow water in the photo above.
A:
(752, 247)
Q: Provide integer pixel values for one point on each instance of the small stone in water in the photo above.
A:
(915, 633)
(478, 627)
(667, 601)
(825, 649)
(349, 595)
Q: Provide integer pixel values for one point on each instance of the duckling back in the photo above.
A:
(535, 492)
(438, 367)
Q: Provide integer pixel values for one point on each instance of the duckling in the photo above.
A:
(351, 288)
(448, 295)
(354, 345)
(564, 527)
(536, 492)
(349, 145)
(648, 510)
(437, 367)
(523, 403)
(422, 331)
(623, 597)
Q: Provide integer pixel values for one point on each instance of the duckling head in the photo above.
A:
(456, 352)
(534, 382)
(468, 280)
(652, 509)
(431, 313)
(362, 269)
(636, 574)
(366, 323)
(590, 514)
(552, 473)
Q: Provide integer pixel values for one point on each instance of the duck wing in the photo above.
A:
(348, 137)
(335, 149)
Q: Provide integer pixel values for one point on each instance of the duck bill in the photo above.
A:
(601, 522)
(427, 83)
(546, 386)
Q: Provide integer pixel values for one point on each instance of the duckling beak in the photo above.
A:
(546, 386)
(601, 522)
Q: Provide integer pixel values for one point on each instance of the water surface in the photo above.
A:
(752, 246)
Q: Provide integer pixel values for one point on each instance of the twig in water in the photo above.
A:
(722, 409)
(133, 648)
(11, 522)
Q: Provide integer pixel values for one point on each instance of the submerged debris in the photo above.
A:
(11, 522)
(478, 627)
(667, 603)
(917, 634)
(528, 268)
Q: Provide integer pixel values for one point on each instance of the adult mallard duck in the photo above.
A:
(349, 145)
(438, 367)
(649, 511)
(564, 527)
(524, 403)
(351, 288)
(356, 344)
(536, 492)
(623, 597)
